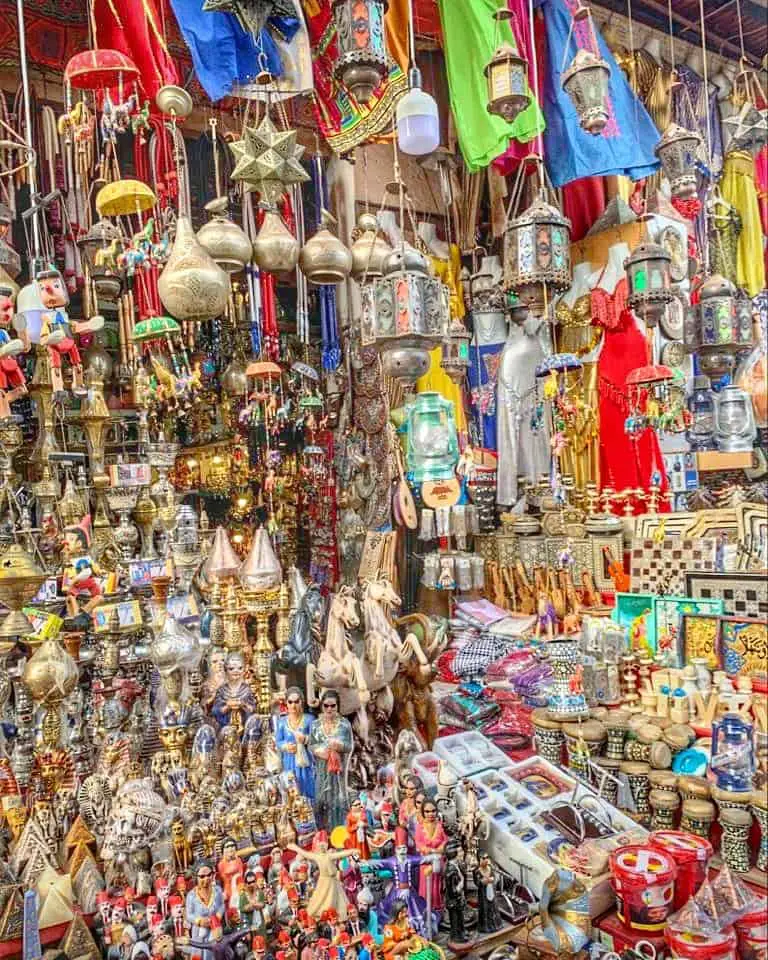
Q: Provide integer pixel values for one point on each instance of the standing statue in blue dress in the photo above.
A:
(205, 909)
(292, 741)
(330, 741)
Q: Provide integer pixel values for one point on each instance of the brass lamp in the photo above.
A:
(455, 351)
(648, 281)
(676, 151)
(507, 75)
(537, 260)
(20, 579)
(362, 59)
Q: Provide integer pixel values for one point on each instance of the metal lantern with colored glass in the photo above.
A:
(405, 313)
(455, 351)
(724, 325)
(676, 151)
(586, 83)
(362, 60)
(648, 282)
(537, 260)
(507, 75)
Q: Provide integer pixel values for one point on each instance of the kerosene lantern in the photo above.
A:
(362, 57)
(648, 281)
(586, 79)
(507, 76)
(735, 428)
(537, 260)
(676, 151)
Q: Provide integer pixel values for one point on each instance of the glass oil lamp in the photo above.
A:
(433, 448)
(362, 59)
(735, 428)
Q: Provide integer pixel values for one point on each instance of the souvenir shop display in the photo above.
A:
(383, 481)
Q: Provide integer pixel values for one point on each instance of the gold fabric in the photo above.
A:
(738, 188)
(436, 379)
(581, 456)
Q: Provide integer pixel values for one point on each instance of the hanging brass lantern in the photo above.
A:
(586, 83)
(324, 258)
(537, 259)
(275, 248)
(648, 282)
(362, 58)
(370, 249)
(507, 75)
(405, 313)
(455, 351)
(723, 325)
(677, 150)
(226, 243)
(192, 286)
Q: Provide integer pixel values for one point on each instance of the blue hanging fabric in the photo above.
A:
(626, 145)
(223, 54)
(329, 328)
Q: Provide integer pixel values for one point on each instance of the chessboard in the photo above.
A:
(661, 565)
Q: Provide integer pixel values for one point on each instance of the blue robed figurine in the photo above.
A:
(292, 740)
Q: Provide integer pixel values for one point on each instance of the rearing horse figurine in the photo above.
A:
(383, 644)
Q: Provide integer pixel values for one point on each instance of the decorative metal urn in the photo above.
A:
(324, 258)
(192, 286)
(537, 261)
(648, 282)
(405, 314)
(676, 151)
(226, 243)
(362, 58)
(370, 249)
(275, 248)
(20, 579)
(586, 83)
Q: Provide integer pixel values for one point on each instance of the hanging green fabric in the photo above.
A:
(471, 35)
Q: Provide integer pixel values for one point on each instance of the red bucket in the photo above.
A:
(691, 854)
(752, 932)
(643, 879)
(688, 945)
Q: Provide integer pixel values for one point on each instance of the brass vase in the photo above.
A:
(192, 286)
(275, 249)
(226, 243)
(50, 673)
(370, 249)
(324, 258)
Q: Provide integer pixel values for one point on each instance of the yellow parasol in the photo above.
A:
(124, 197)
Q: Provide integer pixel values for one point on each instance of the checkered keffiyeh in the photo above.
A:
(477, 654)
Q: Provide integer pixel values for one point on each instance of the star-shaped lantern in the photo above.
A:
(252, 15)
(267, 159)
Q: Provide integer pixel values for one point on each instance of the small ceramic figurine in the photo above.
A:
(205, 909)
(546, 619)
(292, 738)
(430, 839)
(454, 885)
(329, 891)
(234, 701)
(331, 743)
(13, 383)
(488, 918)
(402, 890)
(79, 579)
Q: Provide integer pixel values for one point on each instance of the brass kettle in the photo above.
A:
(226, 243)
(370, 249)
(324, 258)
(192, 286)
(275, 249)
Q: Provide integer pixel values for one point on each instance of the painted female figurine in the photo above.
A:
(330, 741)
(431, 838)
(488, 918)
(329, 891)
(205, 909)
(399, 935)
(357, 829)
(230, 870)
(291, 739)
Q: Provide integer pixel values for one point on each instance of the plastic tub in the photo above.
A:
(691, 854)
(643, 879)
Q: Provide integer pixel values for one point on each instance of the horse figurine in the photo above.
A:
(302, 649)
(385, 650)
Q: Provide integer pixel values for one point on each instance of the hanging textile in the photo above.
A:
(436, 379)
(396, 32)
(625, 462)
(583, 203)
(690, 106)
(624, 147)
(738, 188)
(137, 29)
(343, 121)
(471, 36)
